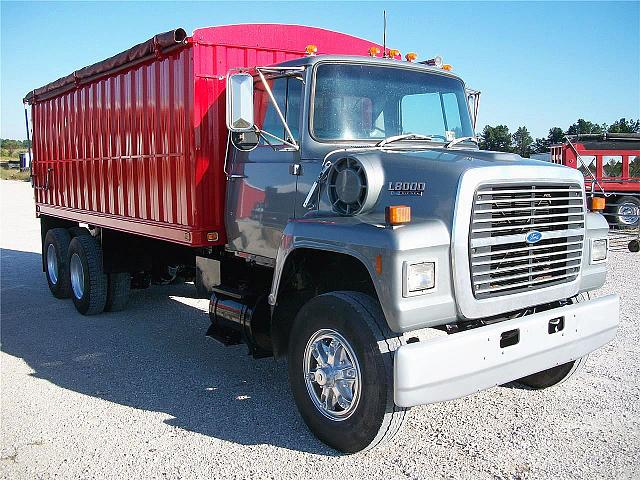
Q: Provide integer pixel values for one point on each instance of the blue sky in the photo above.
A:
(538, 64)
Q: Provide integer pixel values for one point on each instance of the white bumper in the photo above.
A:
(463, 363)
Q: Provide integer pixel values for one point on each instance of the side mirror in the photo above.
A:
(240, 102)
(473, 99)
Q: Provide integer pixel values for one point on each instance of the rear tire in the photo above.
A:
(56, 261)
(87, 279)
(118, 288)
(359, 412)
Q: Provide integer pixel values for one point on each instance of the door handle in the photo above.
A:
(235, 176)
(295, 169)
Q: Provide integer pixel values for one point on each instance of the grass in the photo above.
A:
(7, 173)
(12, 174)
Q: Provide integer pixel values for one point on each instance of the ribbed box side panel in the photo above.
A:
(122, 147)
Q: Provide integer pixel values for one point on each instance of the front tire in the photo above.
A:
(88, 281)
(553, 376)
(561, 373)
(56, 261)
(341, 371)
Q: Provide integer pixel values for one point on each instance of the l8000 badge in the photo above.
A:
(407, 188)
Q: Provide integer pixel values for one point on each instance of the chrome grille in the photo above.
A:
(501, 259)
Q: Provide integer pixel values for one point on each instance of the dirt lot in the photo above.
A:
(143, 394)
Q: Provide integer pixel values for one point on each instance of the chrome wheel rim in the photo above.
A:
(77, 276)
(52, 264)
(332, 374)
(628, 213)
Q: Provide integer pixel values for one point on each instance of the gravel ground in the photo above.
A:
(143, 393)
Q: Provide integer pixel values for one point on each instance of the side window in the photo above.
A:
(288, 93)
(452, 113)
(422, 114)
(294, 102)
(590, 162)
(612, 166)
(634, 167)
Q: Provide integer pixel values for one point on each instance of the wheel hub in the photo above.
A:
(332, 374)
(77, 276)
(628, 213)
(52, 264)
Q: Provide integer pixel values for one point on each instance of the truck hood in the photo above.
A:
(440, 170)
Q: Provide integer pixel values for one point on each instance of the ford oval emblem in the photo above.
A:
(534, 236)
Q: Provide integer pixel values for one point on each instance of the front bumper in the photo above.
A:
(463, 363)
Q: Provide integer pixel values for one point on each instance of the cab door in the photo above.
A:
(261, 190)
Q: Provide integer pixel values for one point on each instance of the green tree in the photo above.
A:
(542, 145)
(10, 145)
(522, 142)
(625, 126)
(26, 143)
(583, 126)
(496, 138)
(556, 135)
(634, 167)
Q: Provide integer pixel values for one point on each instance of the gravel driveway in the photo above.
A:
(143, 394)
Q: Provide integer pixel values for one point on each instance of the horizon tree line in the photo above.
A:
(499, 138)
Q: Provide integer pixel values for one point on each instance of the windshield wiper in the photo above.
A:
(461, 139)
(406, 136)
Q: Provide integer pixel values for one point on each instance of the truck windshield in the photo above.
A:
(370, 102)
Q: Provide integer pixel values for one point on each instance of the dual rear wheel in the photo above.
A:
(73, 264)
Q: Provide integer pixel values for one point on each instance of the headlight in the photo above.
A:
(598, 250)
(420, 277)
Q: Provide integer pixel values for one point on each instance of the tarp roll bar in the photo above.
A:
(159, 44)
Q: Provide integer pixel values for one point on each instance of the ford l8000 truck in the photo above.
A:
(329, 197)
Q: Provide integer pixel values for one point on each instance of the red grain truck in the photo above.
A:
(329, 198)
(610, 163)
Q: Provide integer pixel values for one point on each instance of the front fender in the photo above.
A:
(593, 275)
(427, 240)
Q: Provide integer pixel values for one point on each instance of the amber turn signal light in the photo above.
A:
(379, 264)
(597, 203)
(393, 53)
(397, 214)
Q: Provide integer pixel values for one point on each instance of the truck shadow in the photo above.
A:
(153, 356)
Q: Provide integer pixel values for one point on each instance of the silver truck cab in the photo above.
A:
(406, 265)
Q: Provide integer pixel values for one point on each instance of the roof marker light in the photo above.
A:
(374, 51)
(434, 62)
(411, 56)
(447, 67)
(311, 50)
(393, 53)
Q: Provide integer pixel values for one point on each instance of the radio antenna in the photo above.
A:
(384, 34)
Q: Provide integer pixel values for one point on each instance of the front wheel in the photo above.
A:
(561, 373)
(341, 371)
(553, 376)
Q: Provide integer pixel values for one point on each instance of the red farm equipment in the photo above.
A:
(610, 163)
